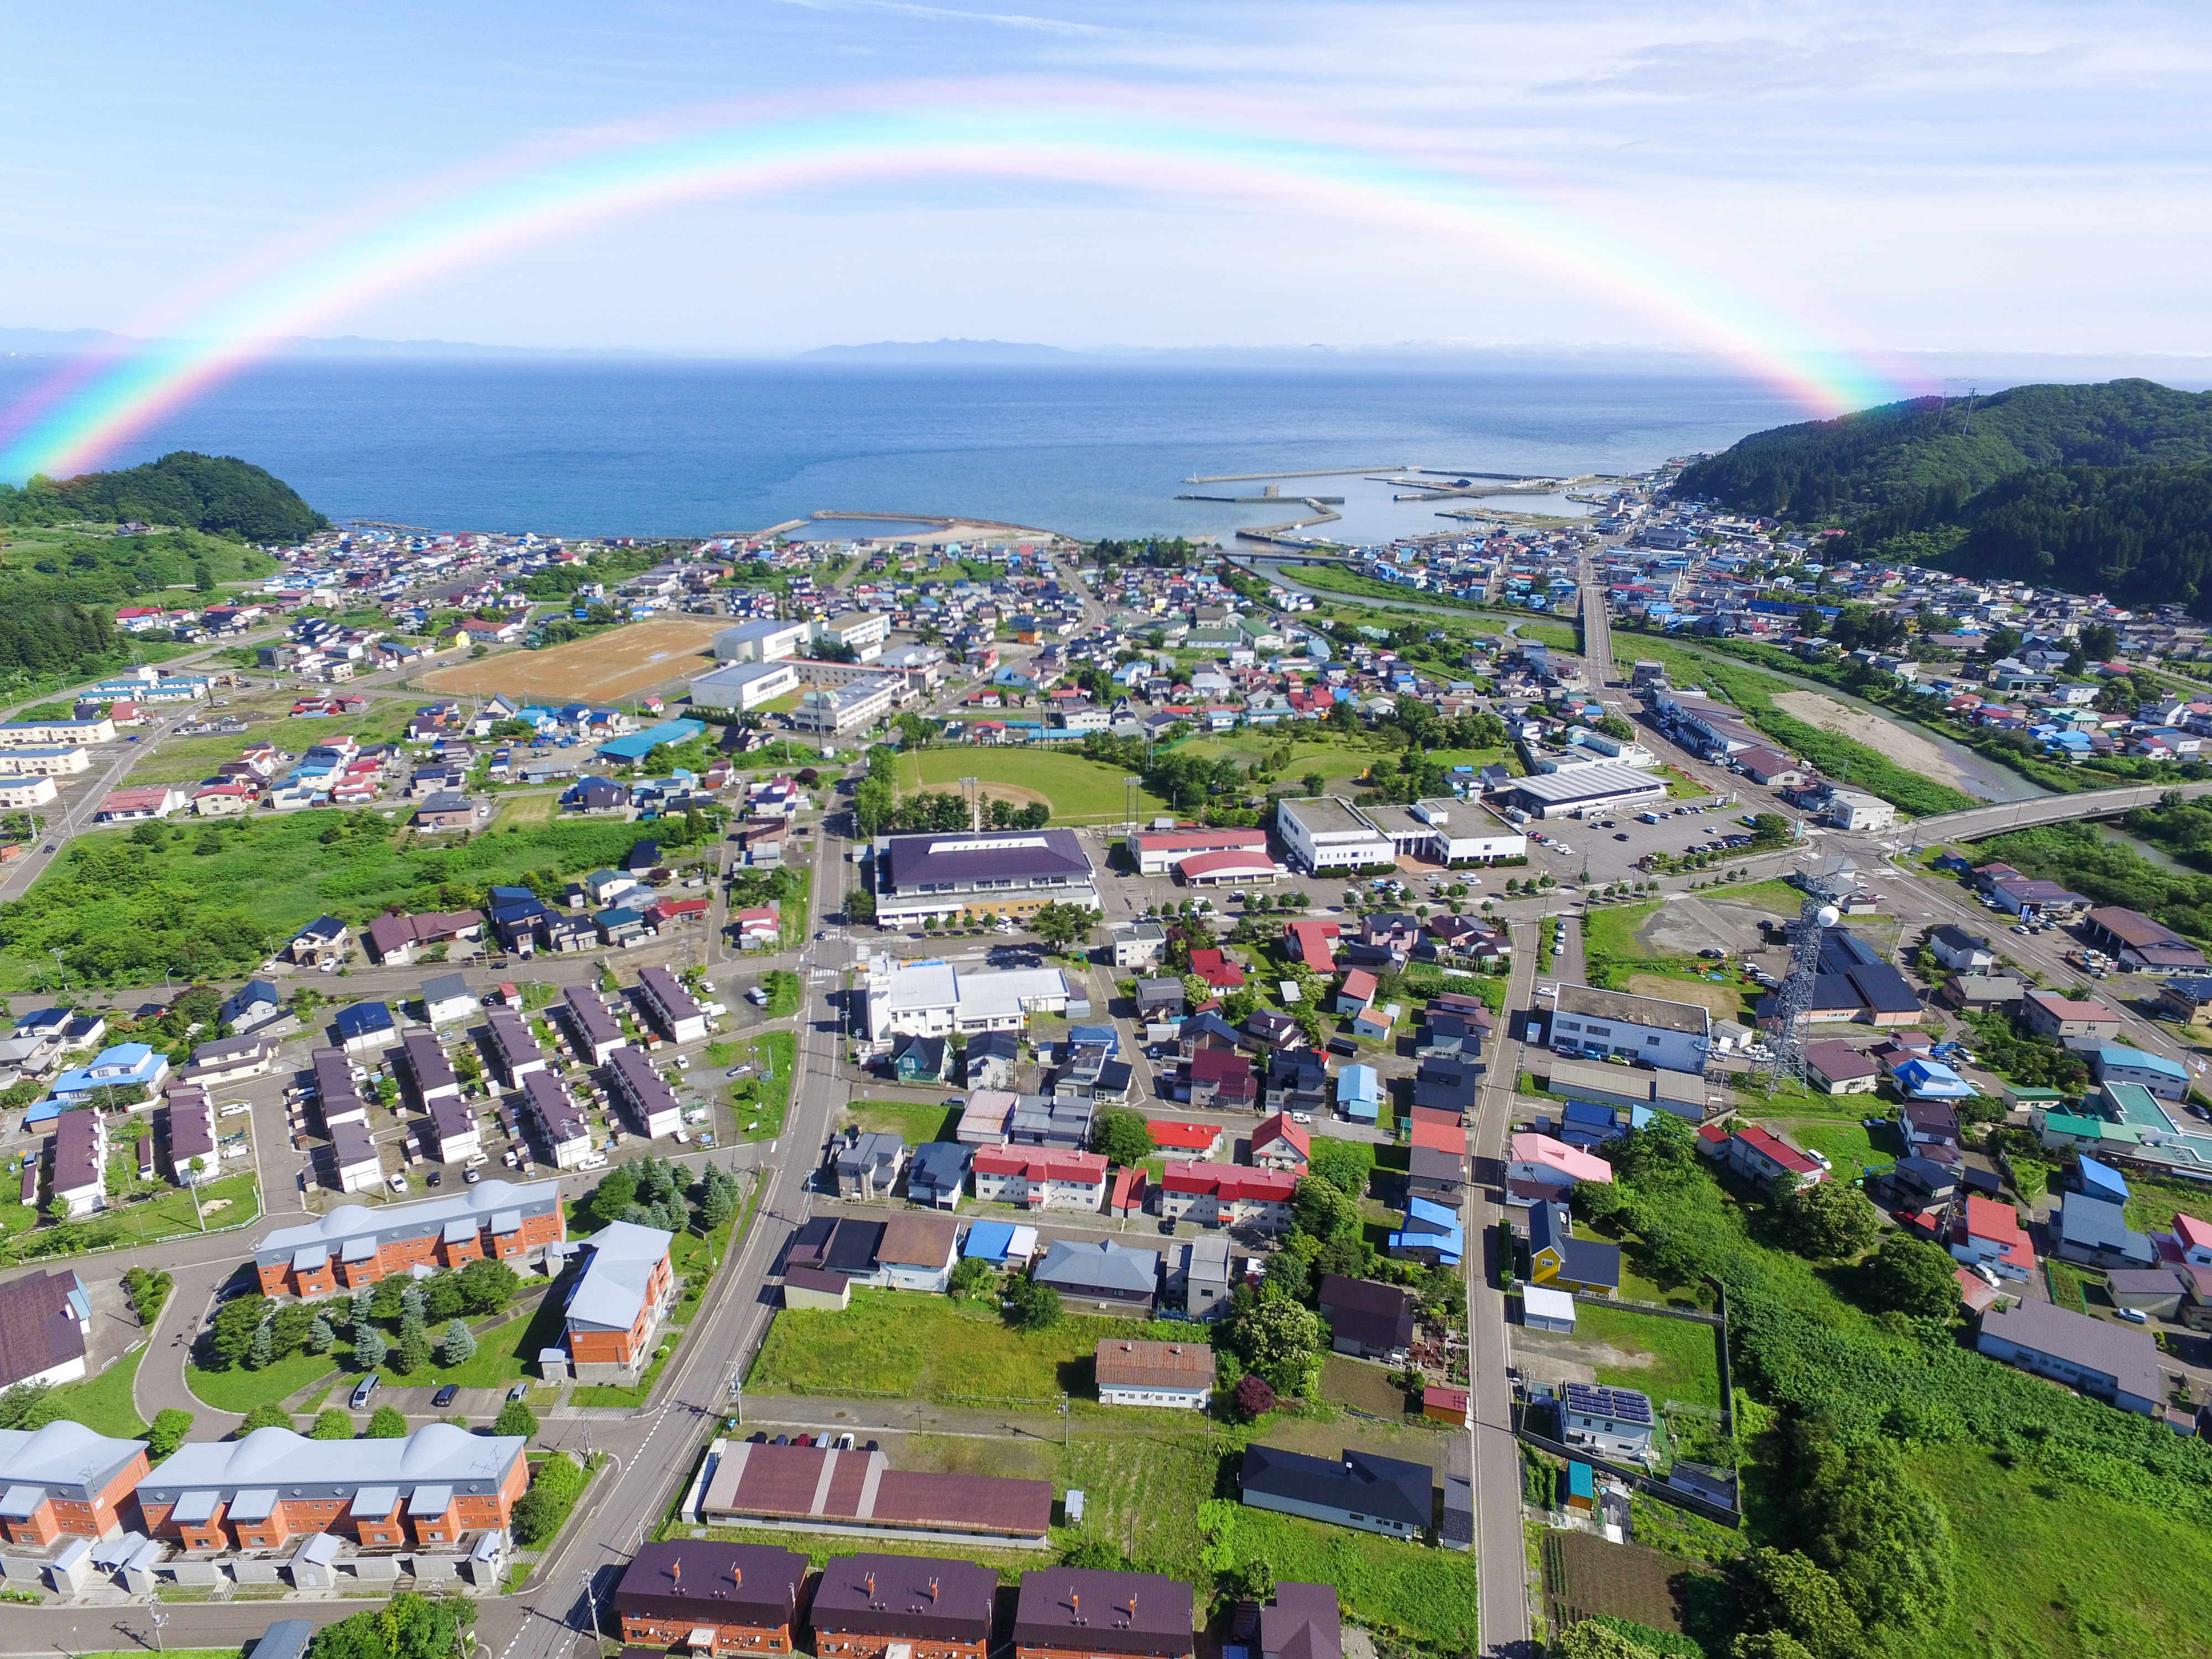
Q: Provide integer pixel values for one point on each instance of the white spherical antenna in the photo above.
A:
(1827, 915)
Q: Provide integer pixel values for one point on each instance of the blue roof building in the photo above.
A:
(1929, 1079)
(2100, 1181)
(125, 1066)
(2166, 1079)
(366, 1025)
(638, 744)
(1359, 1092)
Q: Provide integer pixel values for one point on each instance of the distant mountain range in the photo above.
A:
(73, 342)
(941, 351)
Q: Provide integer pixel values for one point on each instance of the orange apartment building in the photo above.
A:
(865, 1605)
(354, 1245)
(435, 1487)
(1079, 1613)
(715, 1598)
(618, 1301)
(64, 1481)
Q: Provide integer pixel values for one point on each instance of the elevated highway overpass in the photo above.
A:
(1979, 822)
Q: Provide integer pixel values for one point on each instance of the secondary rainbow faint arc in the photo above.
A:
(80, 415)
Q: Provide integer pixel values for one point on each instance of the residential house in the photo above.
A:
(1367, 1320)
(351, 1246)
(45, 1317)
(1361, 1490)
(1279, 1144)
(1128, 1372)
(1100, 1275)
(616, 1304)
(65, 1481)
(1989, 1235)
(1080, 1613)
(721, 1599)
(1616, 1423)
(866, 1605)
(1040, 1180)
(1559, 1260)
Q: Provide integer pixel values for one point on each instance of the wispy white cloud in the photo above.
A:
(1059, 25)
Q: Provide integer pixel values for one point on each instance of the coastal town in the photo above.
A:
(974, 1089)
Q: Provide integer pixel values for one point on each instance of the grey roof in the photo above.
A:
(287, 1639)
(437, 1453)
(612, 1290)
(1302, 1622)
(2126, 1353)
(420, 1220)
(1359, 1483)
(1083, 1265)
(2098, 1223)
(940, 1164)
(63, 1457)
(445, 987)
(961, 858)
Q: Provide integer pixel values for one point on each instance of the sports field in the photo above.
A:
(1078, 791)
(617, 663)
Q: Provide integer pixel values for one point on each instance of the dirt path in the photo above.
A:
(1899, 743)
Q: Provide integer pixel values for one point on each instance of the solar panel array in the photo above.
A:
(1621, 1405)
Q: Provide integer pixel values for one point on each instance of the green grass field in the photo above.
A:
(241, 1390)
(1850, 1147)
(213, 899)
(1078, 791)
(103, 1403)
(916, 1122)
(234, 1200)
(2060, 1571)
(1685, 1355)
(928, 1347)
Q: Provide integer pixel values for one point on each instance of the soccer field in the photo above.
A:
(1078, 791)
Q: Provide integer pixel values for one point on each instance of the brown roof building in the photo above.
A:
(1301, 1623)
(713, 1598)
(44, 1317)
(1076, 1613)
(1133, 1373)
(930, 1608)
(756, 1481)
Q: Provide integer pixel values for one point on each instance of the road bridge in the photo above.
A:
(1979, 822)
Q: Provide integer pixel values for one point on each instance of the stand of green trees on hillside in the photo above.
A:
(2103, 488)
(220, 495)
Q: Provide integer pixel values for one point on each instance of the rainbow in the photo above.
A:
(1107, 138)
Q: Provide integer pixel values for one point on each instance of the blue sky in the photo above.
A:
(1960, 178)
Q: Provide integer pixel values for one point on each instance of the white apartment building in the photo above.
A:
(933, 998)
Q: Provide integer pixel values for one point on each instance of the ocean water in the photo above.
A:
(616, 447)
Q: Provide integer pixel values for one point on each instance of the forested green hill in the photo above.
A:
(219, 494)
(1891, 456)
(2098, 488)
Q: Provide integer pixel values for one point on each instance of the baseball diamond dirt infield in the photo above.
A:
(617, 663)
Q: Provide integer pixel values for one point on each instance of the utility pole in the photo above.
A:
(591, 1602)
(154, 1612)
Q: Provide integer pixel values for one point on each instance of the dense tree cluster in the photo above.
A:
(252, 1332)
(219, 494)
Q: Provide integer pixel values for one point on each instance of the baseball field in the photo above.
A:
(606, 668)
(1077, 791)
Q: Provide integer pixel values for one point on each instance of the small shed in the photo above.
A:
(1543, 1309)
(1582, 1488)
(817, 1287)
(1444, 1405)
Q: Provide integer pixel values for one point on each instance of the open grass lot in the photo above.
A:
(240, 1390)
(1428, 1595)
(2153, 1203)
(103, 1403)
(1685, 1355)
(213, 899)
(607, 667)
(235, 1199)
(1356, 1382)
(537, 808)
(2060, 1572)
(915, 1122)
(1078, 791)
(928, 1347)
(758, 1101)
(1850, 1147)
